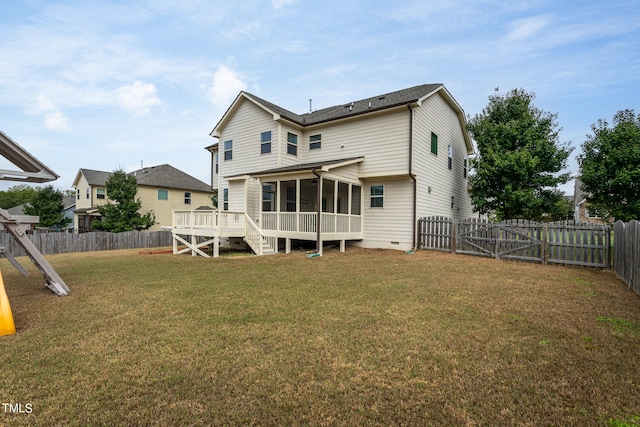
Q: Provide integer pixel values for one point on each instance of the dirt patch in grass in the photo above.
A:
(366, 337)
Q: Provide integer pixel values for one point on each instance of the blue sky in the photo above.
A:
(116, 84)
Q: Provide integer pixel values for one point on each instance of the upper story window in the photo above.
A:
(434, 143)
(163, 194)
(315, 142)
(292, 143)
(464, 170)
(88, 192)
(377, 196)
(101, 193)
(450, 158)
(265, 142)
(228, 150)
(187, 197)
(216, 161)
(78, 193)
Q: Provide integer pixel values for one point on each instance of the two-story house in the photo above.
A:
(362, 172)
(161, 189)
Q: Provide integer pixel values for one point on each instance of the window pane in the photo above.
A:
(265, 136)
(377, 202)
(356, 192)
(269, 196)
(434, 143)
(163, 195)
(328, 190)
(265, 148)
(377, 190)
(288, 196)
(292, 149)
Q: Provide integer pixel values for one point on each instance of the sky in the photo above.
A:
(112, 85)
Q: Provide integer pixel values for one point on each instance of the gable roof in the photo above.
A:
(32, 169)
(170, 177)
(409, 96)
(154, 176)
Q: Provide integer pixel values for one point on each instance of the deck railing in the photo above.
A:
(305, 222)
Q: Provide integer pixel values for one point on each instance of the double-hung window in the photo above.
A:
(450, 158)
(265, 142)
(228, 150)
(187, 197)
(225, 199)
(101, 193)
(377, 196)
(315, 142)
(292, 143)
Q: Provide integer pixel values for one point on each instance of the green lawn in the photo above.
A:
(366, 337)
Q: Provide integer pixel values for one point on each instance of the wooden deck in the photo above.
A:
(263, 236)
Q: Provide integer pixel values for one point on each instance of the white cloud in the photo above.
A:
(56, 120)
(523, 29)
(138, 98)
(279, 4)
(225, 87)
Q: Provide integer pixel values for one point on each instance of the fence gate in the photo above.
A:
(515, 239)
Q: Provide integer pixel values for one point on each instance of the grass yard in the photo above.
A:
(366, 337)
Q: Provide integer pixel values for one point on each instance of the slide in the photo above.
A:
(7, 327)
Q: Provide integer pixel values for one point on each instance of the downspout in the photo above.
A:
(415, 182)
(319, 203)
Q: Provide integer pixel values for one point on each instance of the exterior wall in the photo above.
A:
(388, 227)
(383, 140)
(162, 208)
(244, 129)
(436, 182)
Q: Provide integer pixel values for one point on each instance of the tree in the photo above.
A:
(48, 205)
(16, 195)
(122, 212)
(517, 171)
(610, 167)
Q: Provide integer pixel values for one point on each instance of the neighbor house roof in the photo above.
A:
(170, 177)
(412, 96)
(154, 176)
(32, 169)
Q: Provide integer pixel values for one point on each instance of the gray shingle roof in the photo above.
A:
(154, 176)
(300, 167)
(169, 177)
(375, 103)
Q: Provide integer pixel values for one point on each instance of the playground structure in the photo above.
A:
(31, 170)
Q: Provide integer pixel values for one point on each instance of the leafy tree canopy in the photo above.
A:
(122, 212)
(517, 171)
(16, 195)
(610, 167)
(47, 204)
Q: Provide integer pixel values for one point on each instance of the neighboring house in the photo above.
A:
(161, 189)
(69, 203)
(581, 210)
(369, 169)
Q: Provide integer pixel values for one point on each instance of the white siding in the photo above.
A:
(436, 182)
(389, 227)
(382, 139)
(244, 129)
(237, 194)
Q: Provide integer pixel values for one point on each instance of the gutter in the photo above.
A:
(319, 203)
(415, 183)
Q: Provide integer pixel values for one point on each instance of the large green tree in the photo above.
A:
(122, 211)
(16, 195)
(47, 204)
(520, 160)
(610, 167)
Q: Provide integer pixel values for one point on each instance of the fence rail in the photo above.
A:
(626, 250)
(565, 242)
(58, 243)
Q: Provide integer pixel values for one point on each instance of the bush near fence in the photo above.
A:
(58, 243)
(626, 253)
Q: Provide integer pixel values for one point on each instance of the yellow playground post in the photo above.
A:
(7, 327)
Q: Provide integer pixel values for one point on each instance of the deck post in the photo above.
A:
(194, 242)
(287, 245)
(216, 246)
(342, 245)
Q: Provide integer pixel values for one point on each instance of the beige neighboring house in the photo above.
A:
(362, 172)
(161, 189)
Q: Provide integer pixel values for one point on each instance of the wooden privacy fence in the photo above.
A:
(564, 242)
(58, 243)
(626, 253)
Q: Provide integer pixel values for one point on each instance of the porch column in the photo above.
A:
(216, 246)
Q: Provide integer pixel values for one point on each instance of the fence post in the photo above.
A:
(545, 243)
(454, 235)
